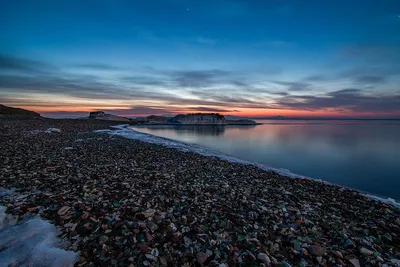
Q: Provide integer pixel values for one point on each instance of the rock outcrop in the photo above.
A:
(101, 115)
(5, 110)
(198, 118)
(206, 118)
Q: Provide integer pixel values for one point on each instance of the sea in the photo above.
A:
(359, 154)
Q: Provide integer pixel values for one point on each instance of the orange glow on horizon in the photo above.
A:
(69, 109)
(240, 112)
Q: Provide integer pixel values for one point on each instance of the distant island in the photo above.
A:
(181, 119)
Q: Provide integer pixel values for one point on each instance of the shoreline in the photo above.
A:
(131, 202)
(232, 159)
(198, 124)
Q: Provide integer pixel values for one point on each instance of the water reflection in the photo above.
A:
(214, 130)
(358, 154)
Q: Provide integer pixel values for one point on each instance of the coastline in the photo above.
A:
(209, 152)
(212, 153)
(173, 207)
(196, 124)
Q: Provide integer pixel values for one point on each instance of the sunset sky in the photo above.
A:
(237, 57)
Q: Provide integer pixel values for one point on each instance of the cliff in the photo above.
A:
(5, 110)
(206, 118)
(198, 118)
(100, 115)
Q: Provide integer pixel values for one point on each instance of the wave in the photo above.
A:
(124, 131)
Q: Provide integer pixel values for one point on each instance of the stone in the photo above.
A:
(264, 258)
(63, 210)
(201, 257)
(317, 250)
(366, 252)
(116, 200)
(337, 254)
(148, 213)
(355, 262)
(103, 239)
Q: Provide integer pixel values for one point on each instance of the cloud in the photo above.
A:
(133, 111)
(279, 93)
(348, 91)
(96, 66)
(210, 109)
(294, 86)
(140, 110)
(151, 87)
(240, 84)
(11, 63)
(370, 79)
(369, 75)
(145, 80)
(354, 100)
(214, 90)
(75, 85)
(317, 78)
(200, 78)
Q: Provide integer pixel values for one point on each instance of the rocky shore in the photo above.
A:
(122, 202)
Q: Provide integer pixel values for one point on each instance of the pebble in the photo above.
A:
(317, 250)
(156, 206)
(148, 213)
(355, 262)
(201, 257)
(366, 252)
(338, 254)
(264, 258)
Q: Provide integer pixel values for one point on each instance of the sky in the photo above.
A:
(295, 58)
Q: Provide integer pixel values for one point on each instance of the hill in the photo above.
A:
(5, 110)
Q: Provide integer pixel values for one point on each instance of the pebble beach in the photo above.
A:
(124, 202)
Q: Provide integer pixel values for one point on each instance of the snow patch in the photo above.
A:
(31, 242)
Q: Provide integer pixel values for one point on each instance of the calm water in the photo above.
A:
(359, 154)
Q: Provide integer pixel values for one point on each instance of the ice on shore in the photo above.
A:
(124, 131)
(53, 130)
(49, 130)
(31, 242)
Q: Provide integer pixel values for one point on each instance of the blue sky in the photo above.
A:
(339, 58)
